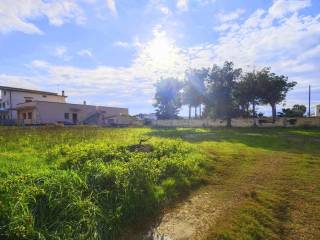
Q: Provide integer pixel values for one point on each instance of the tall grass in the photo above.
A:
(87, 183)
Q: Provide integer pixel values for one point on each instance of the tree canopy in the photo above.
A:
(221, 87)
(224, 91)
(168, 98)
(194, 89)
(296, 111)
(273, 88)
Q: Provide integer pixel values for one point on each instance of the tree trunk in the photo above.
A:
(229, 122)
(254, 113)
(274, 112)
(195, 113)
(200, 112)
(189, 111)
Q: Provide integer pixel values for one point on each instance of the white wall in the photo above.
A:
(239, 122)
(317, 111)
(54, 112)
(20, 97)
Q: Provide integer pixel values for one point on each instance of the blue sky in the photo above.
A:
(110, 52)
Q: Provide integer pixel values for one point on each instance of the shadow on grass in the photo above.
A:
(303, 141)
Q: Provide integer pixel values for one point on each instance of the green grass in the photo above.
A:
(86, 183)
(272, 174)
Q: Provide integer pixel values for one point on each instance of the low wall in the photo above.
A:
(239, 122)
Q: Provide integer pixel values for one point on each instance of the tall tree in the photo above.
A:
(168, 98)
(248, 91)
(194, 89)
(273, 88)
(221, 88)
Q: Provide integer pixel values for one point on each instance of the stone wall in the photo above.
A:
(239, 122)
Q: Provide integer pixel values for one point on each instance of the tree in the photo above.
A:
(221, 88)
(273, 88)
(248, 92)
(168, 98)
(295, 111)
(194, 89)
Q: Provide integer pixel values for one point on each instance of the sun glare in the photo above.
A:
(161, 52)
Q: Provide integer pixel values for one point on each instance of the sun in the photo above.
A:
(161, 51)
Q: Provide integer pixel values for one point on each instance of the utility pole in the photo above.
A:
(309, 101)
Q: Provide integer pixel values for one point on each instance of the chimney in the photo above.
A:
(84, 102)
(62, 93)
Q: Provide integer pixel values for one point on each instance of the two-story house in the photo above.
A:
(26, 106)
(10, 98)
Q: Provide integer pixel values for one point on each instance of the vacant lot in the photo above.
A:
(93, 183)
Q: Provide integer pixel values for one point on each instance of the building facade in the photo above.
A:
(317, 111)
(11, 97)
(26, 107)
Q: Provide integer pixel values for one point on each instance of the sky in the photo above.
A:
(111, 52)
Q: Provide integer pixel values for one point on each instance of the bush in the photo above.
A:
(96, 190)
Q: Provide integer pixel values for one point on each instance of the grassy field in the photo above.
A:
(94, 183)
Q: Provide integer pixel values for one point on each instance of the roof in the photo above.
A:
(27, 104)
(28, 90)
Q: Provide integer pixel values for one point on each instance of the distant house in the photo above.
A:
(144, 116)
(121, 120)
(317, 111)
(24, 106)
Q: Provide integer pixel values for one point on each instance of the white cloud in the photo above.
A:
(226, 26)
(39, 64)
(164, 10)
(62, 52)
(111, 4)
(85, 52)
(20, 81)
(290, 46)
(182, 5)
(122, 44)
(18, 16)
(226, 17)
(281, 8)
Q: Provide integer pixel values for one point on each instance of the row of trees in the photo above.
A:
(224, 91)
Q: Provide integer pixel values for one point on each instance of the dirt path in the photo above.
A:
(193, 218)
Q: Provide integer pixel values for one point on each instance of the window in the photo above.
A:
(4, 93)
(66, 116)
(29, 115)
(4, 105)
(24, 116)
(28, 99)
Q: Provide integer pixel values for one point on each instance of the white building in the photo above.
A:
(25, 106)
(317, 111)
(146, 116)
(10, 97)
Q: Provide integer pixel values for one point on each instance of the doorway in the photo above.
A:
(74, 118)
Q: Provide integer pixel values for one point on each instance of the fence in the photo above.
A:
(239, 122)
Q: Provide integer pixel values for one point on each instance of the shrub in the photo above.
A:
(95, 190)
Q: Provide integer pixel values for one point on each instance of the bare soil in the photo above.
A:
(193, 218)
